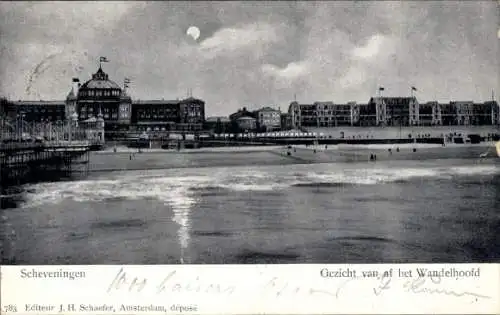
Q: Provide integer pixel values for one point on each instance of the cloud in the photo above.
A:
(371, 49)
(292, 70)
(231, 40)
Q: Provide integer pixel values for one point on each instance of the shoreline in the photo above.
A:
(320, 147)
(278, 155)
(227, 149)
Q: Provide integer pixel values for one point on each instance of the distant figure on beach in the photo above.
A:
(130, 157)
(397, 149)
(390, 151)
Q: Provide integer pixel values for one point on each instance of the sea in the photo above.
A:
(432, 211)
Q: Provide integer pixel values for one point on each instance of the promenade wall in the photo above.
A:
(404, 132)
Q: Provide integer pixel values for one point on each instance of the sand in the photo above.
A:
(129, 159)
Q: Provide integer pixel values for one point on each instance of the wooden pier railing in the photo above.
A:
(26, 162)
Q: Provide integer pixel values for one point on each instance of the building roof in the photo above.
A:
(241, 113)
(216, 118)
(155, 102)
(393, 100)
(461, 102)
(39, 103)
(100, 80)
(154, 123)
(245, 118)
(192, 99)
(267, 109)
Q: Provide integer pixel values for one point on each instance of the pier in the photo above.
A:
(29, 155)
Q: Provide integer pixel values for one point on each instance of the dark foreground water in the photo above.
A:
(395, 211)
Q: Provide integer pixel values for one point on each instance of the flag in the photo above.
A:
(126, 85)
(381, 89)
(413, 88)
(103, 59)
(127, 80)
(76, 80)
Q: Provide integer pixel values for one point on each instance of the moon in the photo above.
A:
(194, 32)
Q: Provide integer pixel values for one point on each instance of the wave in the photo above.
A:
(127, 223)
(180, 190)
(252, 256)
(322, 184)
(213, 233)
(363, 239)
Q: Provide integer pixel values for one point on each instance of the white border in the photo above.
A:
(251, 289)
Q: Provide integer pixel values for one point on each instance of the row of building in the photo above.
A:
(394, 111)
(102, 99)
(379, 111)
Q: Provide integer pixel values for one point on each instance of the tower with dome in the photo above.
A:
(100, 95)
(100, 103)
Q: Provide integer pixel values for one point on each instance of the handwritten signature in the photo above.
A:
(171, 282)
(416, 286)
(278, 287)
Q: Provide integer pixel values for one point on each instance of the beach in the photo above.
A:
(133, 159)
(130, 159)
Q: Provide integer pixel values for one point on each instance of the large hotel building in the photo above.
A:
(394, 111)
(102, 98)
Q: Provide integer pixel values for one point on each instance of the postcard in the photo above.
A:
(251, 157)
